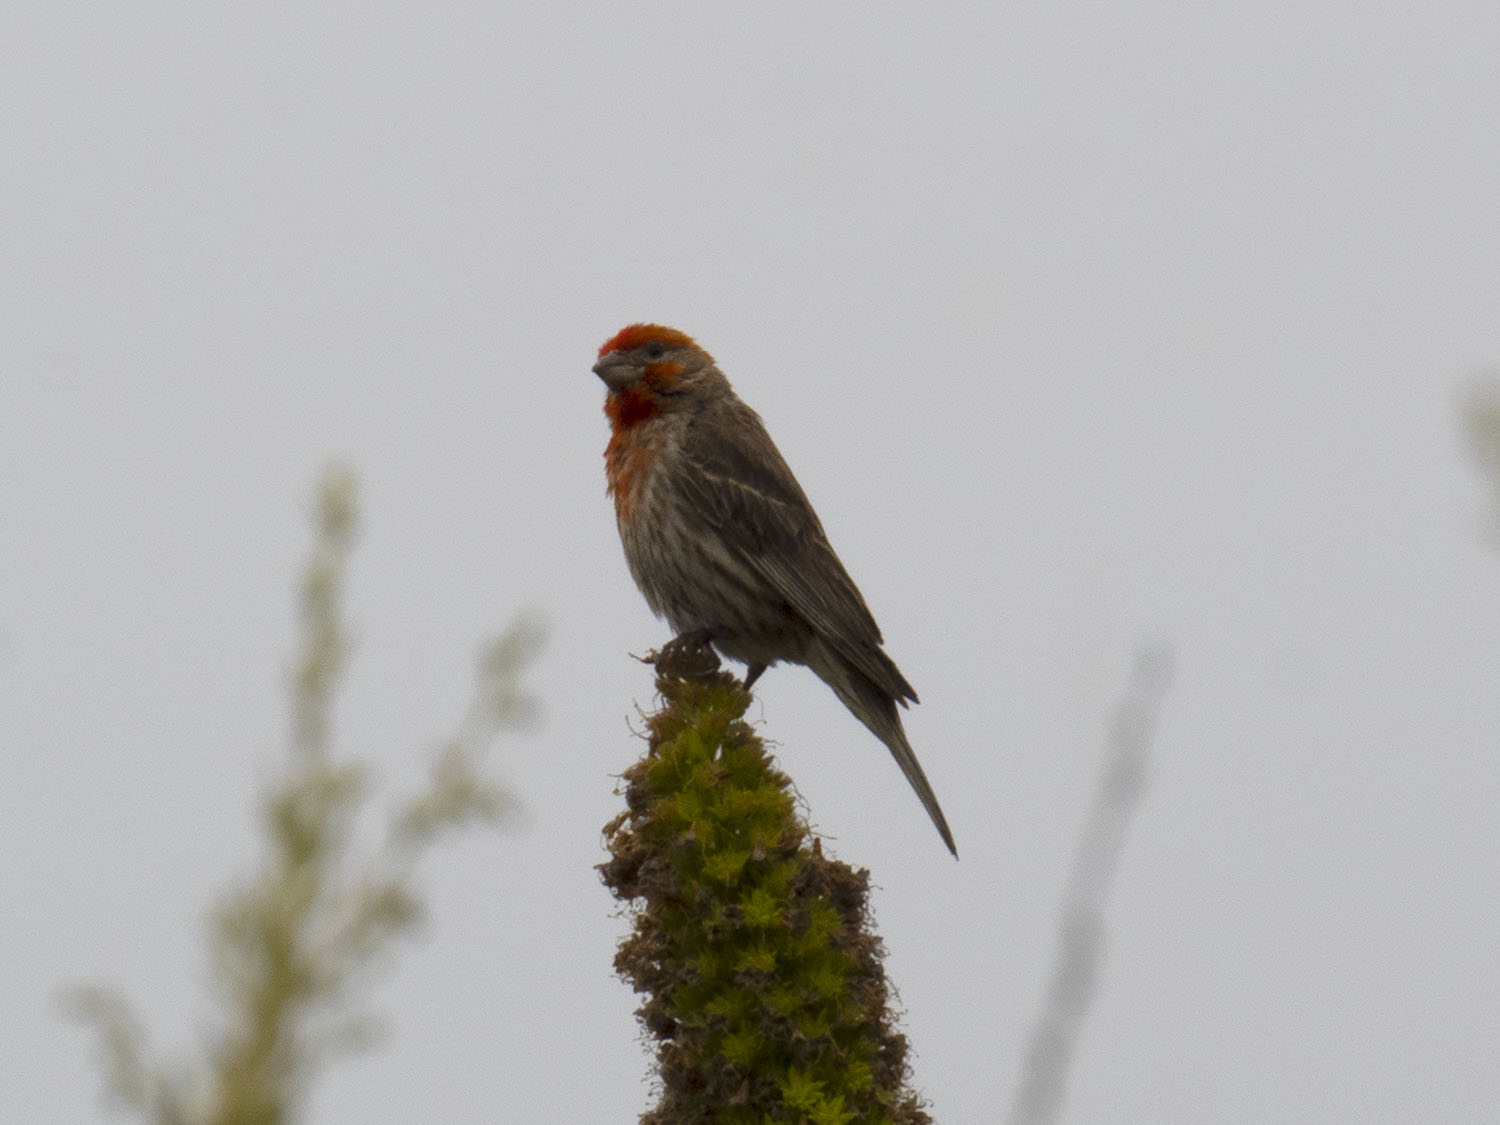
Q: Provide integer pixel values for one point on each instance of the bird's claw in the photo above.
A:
(688, 657)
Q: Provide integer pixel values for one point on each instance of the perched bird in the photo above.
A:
(723, 543)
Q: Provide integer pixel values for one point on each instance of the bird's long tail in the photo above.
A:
(877, 710)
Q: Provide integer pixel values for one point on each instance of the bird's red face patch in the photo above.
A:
(637, 335)
(631, 407)
(638, 402)
(662, 377)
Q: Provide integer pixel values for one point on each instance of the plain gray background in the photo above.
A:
(1081, 325)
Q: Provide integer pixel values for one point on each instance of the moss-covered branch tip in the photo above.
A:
(761, 974)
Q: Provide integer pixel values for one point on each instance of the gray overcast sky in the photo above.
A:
(1081, 324)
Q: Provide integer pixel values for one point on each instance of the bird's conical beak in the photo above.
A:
(615, 370)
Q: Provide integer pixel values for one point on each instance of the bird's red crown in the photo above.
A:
(628, 339)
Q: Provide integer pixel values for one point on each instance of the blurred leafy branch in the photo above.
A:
(293, 944)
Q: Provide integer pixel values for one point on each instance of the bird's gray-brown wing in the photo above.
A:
(742, 486)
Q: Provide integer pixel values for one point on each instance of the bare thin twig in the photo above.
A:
(1049, 1054)
(1481, 421)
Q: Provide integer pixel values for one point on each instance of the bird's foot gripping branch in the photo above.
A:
(688, 657)
(762, 976)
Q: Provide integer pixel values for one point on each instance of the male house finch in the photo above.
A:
(723, 543)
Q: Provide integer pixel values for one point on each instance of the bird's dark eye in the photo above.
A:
(655, 350)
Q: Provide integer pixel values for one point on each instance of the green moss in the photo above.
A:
(761, 976)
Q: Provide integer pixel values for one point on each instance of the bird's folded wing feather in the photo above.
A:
(744, 489)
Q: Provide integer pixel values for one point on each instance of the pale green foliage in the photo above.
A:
(293, 943)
